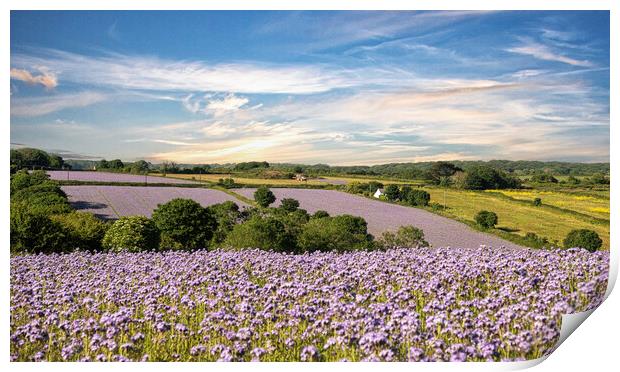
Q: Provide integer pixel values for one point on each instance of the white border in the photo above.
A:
(593, 347)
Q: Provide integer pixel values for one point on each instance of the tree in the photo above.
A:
(289, 204)
(35, 232)
(583, 238)
(132, 234)
(264, 232)
(442, 170)
(340, 233)
(419, 198)
(263, 196)
(599, 179)
(486, 219)
(484, 177)
(406, 236)
(115, 164)
(543, 178)
(55, 161)
(184, 224)
(83, 230)
(103, 164)
(34, 158)
(227, 215)
(140, 167)
(392, 193)
(537, 202)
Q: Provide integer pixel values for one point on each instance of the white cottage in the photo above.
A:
(378, 193)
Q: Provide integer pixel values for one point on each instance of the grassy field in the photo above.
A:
(595, 206)
(519, 217)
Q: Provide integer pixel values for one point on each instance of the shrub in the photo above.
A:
(419, 198)
(184, 223)
(35, 232)
(320, 214)
(289, 204)
(133, 234)
(263, 196)
(45, 203)
(543, 178)
(226, 215)
(264, 232)
(83, 230)
(583, 238)
(537, 202)
(486, 219)
(226, 182)
(24, 179)
(340, 233)
(405, 191)
(392, 192)
(405, 236)
(535, 241)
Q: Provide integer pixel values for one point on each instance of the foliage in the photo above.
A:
(367, 188)
(543, 178)
(537, 202)
(84, 230)
(320, 214)
(599, 179)
(289, 204)
(263, 196)
(251, 165)
(535, 241)
(226, 215)
(340, 233)
(583, 238)
(419, 198)
(184, 222)
(264, 232)
(226, 182)
(35, 158)
(441, 170)
(485, 177)
(35, 233)
(392, 192)
(23, 179)
(486, 219)
(405, 236)
(132, 234)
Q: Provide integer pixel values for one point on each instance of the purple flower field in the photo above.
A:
(438, 231)
(431, 304)
(111, 202)
(110, 177)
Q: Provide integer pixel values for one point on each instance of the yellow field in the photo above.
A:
(513, 216)
(590, 205)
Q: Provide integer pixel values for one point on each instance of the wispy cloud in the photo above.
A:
(146, 73)
(37, 106)
(545, 53)
(45, 78)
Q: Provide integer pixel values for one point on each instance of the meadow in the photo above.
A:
(521, 216)
(210, 177)
(427, 304)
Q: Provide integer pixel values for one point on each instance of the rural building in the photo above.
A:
(378, 193)
(301, 177)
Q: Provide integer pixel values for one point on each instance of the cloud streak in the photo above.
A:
(45, 78)
(37, 106)
(543, 52)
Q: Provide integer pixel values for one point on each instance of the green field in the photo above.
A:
(242, 180)
(520, 217)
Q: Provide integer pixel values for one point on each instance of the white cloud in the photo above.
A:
(228, 103)
(45, 78)
(543, 52)
(37, 106)
(146, 73)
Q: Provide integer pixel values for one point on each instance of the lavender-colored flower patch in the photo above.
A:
(429, 304)
(438, 231)
(111, 177)
(111, 202)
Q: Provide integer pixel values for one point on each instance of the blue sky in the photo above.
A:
(312, 87)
